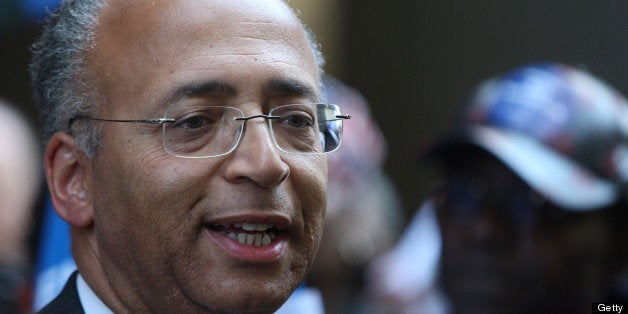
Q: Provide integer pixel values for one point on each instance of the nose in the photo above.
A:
(256, 159)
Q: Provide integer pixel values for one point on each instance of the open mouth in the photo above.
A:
(255, 234)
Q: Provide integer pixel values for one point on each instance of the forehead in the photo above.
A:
(145, 43)
(165, 18)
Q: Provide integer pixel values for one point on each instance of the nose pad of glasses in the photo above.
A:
(261, 132)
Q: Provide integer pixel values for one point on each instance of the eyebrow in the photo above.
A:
(282, 87)
(200, 89)
(291, 87)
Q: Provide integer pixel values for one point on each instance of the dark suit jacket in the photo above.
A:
(67, 301)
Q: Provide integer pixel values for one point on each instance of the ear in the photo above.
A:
(67, 171)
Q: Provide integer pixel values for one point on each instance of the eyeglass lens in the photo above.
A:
(214, 131)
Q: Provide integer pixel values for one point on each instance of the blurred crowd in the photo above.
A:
(527, 208)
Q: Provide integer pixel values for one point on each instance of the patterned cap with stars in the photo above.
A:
(559, 128)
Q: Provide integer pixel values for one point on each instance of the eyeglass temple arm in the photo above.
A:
(344, 116)
(166, 120)
(338, 117)
(151, 121)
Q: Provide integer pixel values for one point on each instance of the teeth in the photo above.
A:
(254, 227)
(256, 239)
(249, 239)
(266, 239)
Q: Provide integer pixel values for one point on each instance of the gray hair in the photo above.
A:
(61, 81)
(62, 84)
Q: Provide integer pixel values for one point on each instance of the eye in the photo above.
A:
(297, 120)
(193, 121)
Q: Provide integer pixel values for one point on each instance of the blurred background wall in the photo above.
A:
(413, 60)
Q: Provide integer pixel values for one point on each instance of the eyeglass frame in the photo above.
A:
(163, 121)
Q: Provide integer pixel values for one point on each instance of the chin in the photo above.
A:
(244, 296)
(253, 304)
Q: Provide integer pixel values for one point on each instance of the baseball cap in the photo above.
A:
(560, 129)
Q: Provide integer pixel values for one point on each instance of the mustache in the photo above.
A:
(250, 199)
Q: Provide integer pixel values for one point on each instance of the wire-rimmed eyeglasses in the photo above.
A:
(212, 131)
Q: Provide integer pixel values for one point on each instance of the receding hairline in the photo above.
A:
(110, 16)
(289, 16)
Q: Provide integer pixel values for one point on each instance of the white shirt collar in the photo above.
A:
(89, 300)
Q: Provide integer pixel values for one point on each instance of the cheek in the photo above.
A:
(309, 177)
(147, 205)
(147, 190)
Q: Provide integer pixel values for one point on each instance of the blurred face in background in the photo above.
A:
(506, 249)
(19, 184)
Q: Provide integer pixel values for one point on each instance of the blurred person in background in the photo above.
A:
(526, 199)
(363, 212)
(20, 184)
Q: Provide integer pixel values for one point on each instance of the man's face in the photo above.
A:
(161, 222)
(507, 250)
